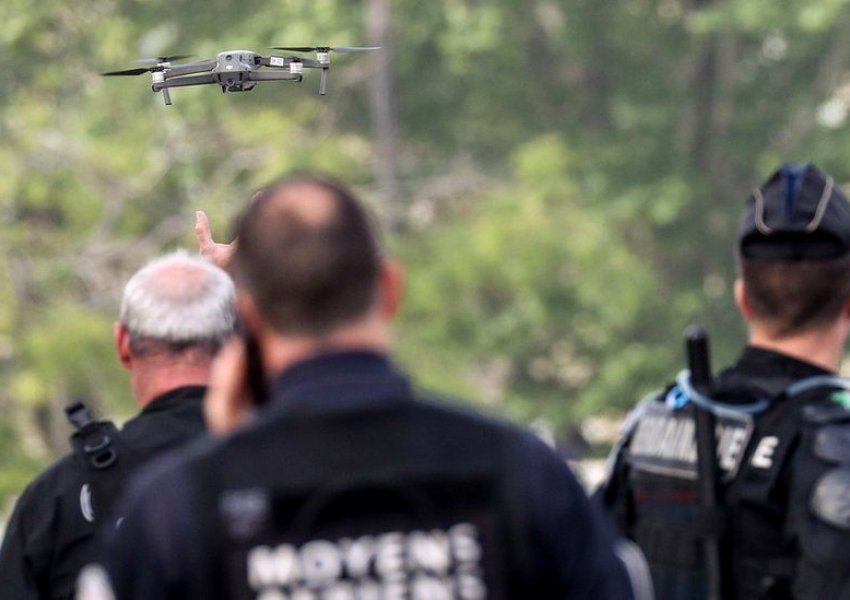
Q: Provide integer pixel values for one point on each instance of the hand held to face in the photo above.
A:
(227, 405)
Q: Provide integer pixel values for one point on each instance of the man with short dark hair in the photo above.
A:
(782, 420)
(175, 314)
(790, 297)
(348, 484)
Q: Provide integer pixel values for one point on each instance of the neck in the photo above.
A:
(155, 376)
(281, 352)
(823, 348)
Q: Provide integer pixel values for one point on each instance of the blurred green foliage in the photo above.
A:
(571, 173)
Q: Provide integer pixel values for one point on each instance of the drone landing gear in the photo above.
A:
(323, 82)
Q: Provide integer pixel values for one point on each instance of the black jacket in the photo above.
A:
(51, 534)
(347, 462)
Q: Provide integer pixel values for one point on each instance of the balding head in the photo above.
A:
(176, 302)
(308, 257)
(312, 204)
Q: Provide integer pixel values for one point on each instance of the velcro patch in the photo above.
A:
(830, 500)
(663, 442)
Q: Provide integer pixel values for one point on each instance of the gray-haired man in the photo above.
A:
(175, 314)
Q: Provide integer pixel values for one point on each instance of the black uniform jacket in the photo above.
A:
(785, 491)
(51, 534)
(336, 414)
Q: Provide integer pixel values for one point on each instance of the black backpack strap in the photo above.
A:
(103, 457)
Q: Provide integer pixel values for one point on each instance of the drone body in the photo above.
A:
(231, 67)
(237, 70)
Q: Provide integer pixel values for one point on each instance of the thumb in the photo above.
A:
(202, 230)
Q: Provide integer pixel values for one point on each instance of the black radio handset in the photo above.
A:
(254, 367)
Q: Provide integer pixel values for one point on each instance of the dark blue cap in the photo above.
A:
(799, 213)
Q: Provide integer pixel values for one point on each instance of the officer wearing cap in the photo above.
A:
(349, 484)
(175, 314)
(782, 419)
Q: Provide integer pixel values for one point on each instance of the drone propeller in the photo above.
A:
(128, 72)
(163, 59)
(157, 62)
(326, 48)
(354, 48)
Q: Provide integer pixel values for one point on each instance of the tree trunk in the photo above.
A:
(382, 109)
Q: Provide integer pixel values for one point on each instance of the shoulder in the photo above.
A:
(43, 504)
(827, 440)
(452, 409)
(435, 417)
(59, 478)
(170, 468)
(539, 464)
(826, 407)
(821, 476)
(824, 422)
(171, 425)
(518, 442)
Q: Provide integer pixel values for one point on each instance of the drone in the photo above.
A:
(237, 70)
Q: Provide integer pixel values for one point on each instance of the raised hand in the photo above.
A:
(220, 255)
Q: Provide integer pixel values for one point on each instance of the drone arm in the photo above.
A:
(283, 62)
(312, 64)
(190, 69)
(184, 81)
(279, 62)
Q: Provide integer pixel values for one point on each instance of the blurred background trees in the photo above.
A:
(561, 177)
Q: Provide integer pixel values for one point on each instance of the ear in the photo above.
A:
(122, 345)
(391, 288)
(741, 300)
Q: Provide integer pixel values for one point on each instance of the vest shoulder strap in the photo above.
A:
(106, 461)
(93, 441)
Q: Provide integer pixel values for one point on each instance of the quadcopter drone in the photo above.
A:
(238, 70)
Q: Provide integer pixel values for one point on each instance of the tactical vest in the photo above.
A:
(364, 505)
(664, 513)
